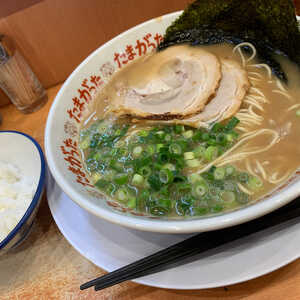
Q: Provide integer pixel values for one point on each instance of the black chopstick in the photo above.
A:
(194, 245)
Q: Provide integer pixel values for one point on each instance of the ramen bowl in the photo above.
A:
(63, 154)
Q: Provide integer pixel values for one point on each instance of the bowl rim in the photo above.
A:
(38, 191)
(241, 215)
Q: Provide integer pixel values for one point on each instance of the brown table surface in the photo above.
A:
(47, 267)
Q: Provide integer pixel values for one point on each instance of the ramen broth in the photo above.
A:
(274, 109)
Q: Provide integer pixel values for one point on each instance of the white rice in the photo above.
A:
(16, 193)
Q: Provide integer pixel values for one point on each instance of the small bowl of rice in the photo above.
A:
(22, 181)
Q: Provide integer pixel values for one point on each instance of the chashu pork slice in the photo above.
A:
(174, 83)
(233, 88)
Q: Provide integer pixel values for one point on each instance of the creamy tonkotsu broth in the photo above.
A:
(176, 166)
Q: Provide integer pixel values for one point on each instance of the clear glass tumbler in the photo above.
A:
(17, 79)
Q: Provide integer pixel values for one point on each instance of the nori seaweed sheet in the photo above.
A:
(270, 25)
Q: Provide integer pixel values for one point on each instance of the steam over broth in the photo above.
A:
(168, 168)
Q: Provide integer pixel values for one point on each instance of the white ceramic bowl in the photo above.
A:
(23, 151)
(63, 156)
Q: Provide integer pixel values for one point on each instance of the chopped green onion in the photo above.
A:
(166, 176)
(211, 153)
(193, 178)
(160, 134)
(97, 156)
(132, 203)
(197, 137)
(229, 170)
(216, 127)
(165, 191)
(114, 164)
(200, 211)
(179, 129)
(166, 203)
(200, 189)
(101, 184)
(168, 137)
(199, 151)
(123, 152)
(254, 183)
(163, 158)
(137, 180)
(159, 146)
(192, 163)
(169, 166)
(228, 196)
(150, 149)
(230, 137)
(298, 113)
(96, 176)
(219, 173)
(145, 171)
(183, 187)
(121, 179)
(137, 151)
(122, 194)
(217, 208)
(205, 136)
(188, 155)
(158, 211)
(188, 134)
(175, 149)
(154, 182)
(85, 143)
(232, 123)
(243, 177)
(143, 133)
(221, 139)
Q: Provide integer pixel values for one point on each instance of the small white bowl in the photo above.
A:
(23, 151)
(63, 126)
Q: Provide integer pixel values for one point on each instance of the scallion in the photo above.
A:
(254, 183)
(192, 163)
(228, 196)
(145, 171)
(230, 171)
(188, 134)
(175, 149)
(199, 151)
(188, 155)
(298, 113)
(137, 180)
(179, 129)
(193, 178)
(243, 177)
(131, 203)
(85, 143)
(169, 166)
(219, 173)
(200, 189)
(150, 149)
(166, 176)
(122, 194)
(121, 179)
(137, 151)
(211, 153)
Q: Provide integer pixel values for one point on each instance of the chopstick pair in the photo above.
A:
(195, 245)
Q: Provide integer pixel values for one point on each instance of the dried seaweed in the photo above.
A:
(270, 25)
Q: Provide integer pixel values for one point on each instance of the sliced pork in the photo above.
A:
(233, 88)
(174, 83)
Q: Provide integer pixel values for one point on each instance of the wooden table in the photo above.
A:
(47, 267)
